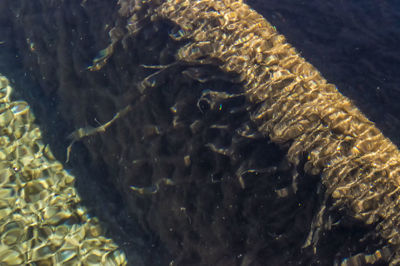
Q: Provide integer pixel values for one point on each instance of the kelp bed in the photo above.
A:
(213, 138)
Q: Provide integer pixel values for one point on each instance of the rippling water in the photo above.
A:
(354, 44)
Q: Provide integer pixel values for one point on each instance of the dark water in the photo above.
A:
(354, 44)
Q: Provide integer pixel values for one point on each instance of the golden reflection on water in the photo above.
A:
(40, 217)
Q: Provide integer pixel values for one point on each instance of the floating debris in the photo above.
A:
(81, 133)
(101, 59)
(154, 188)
